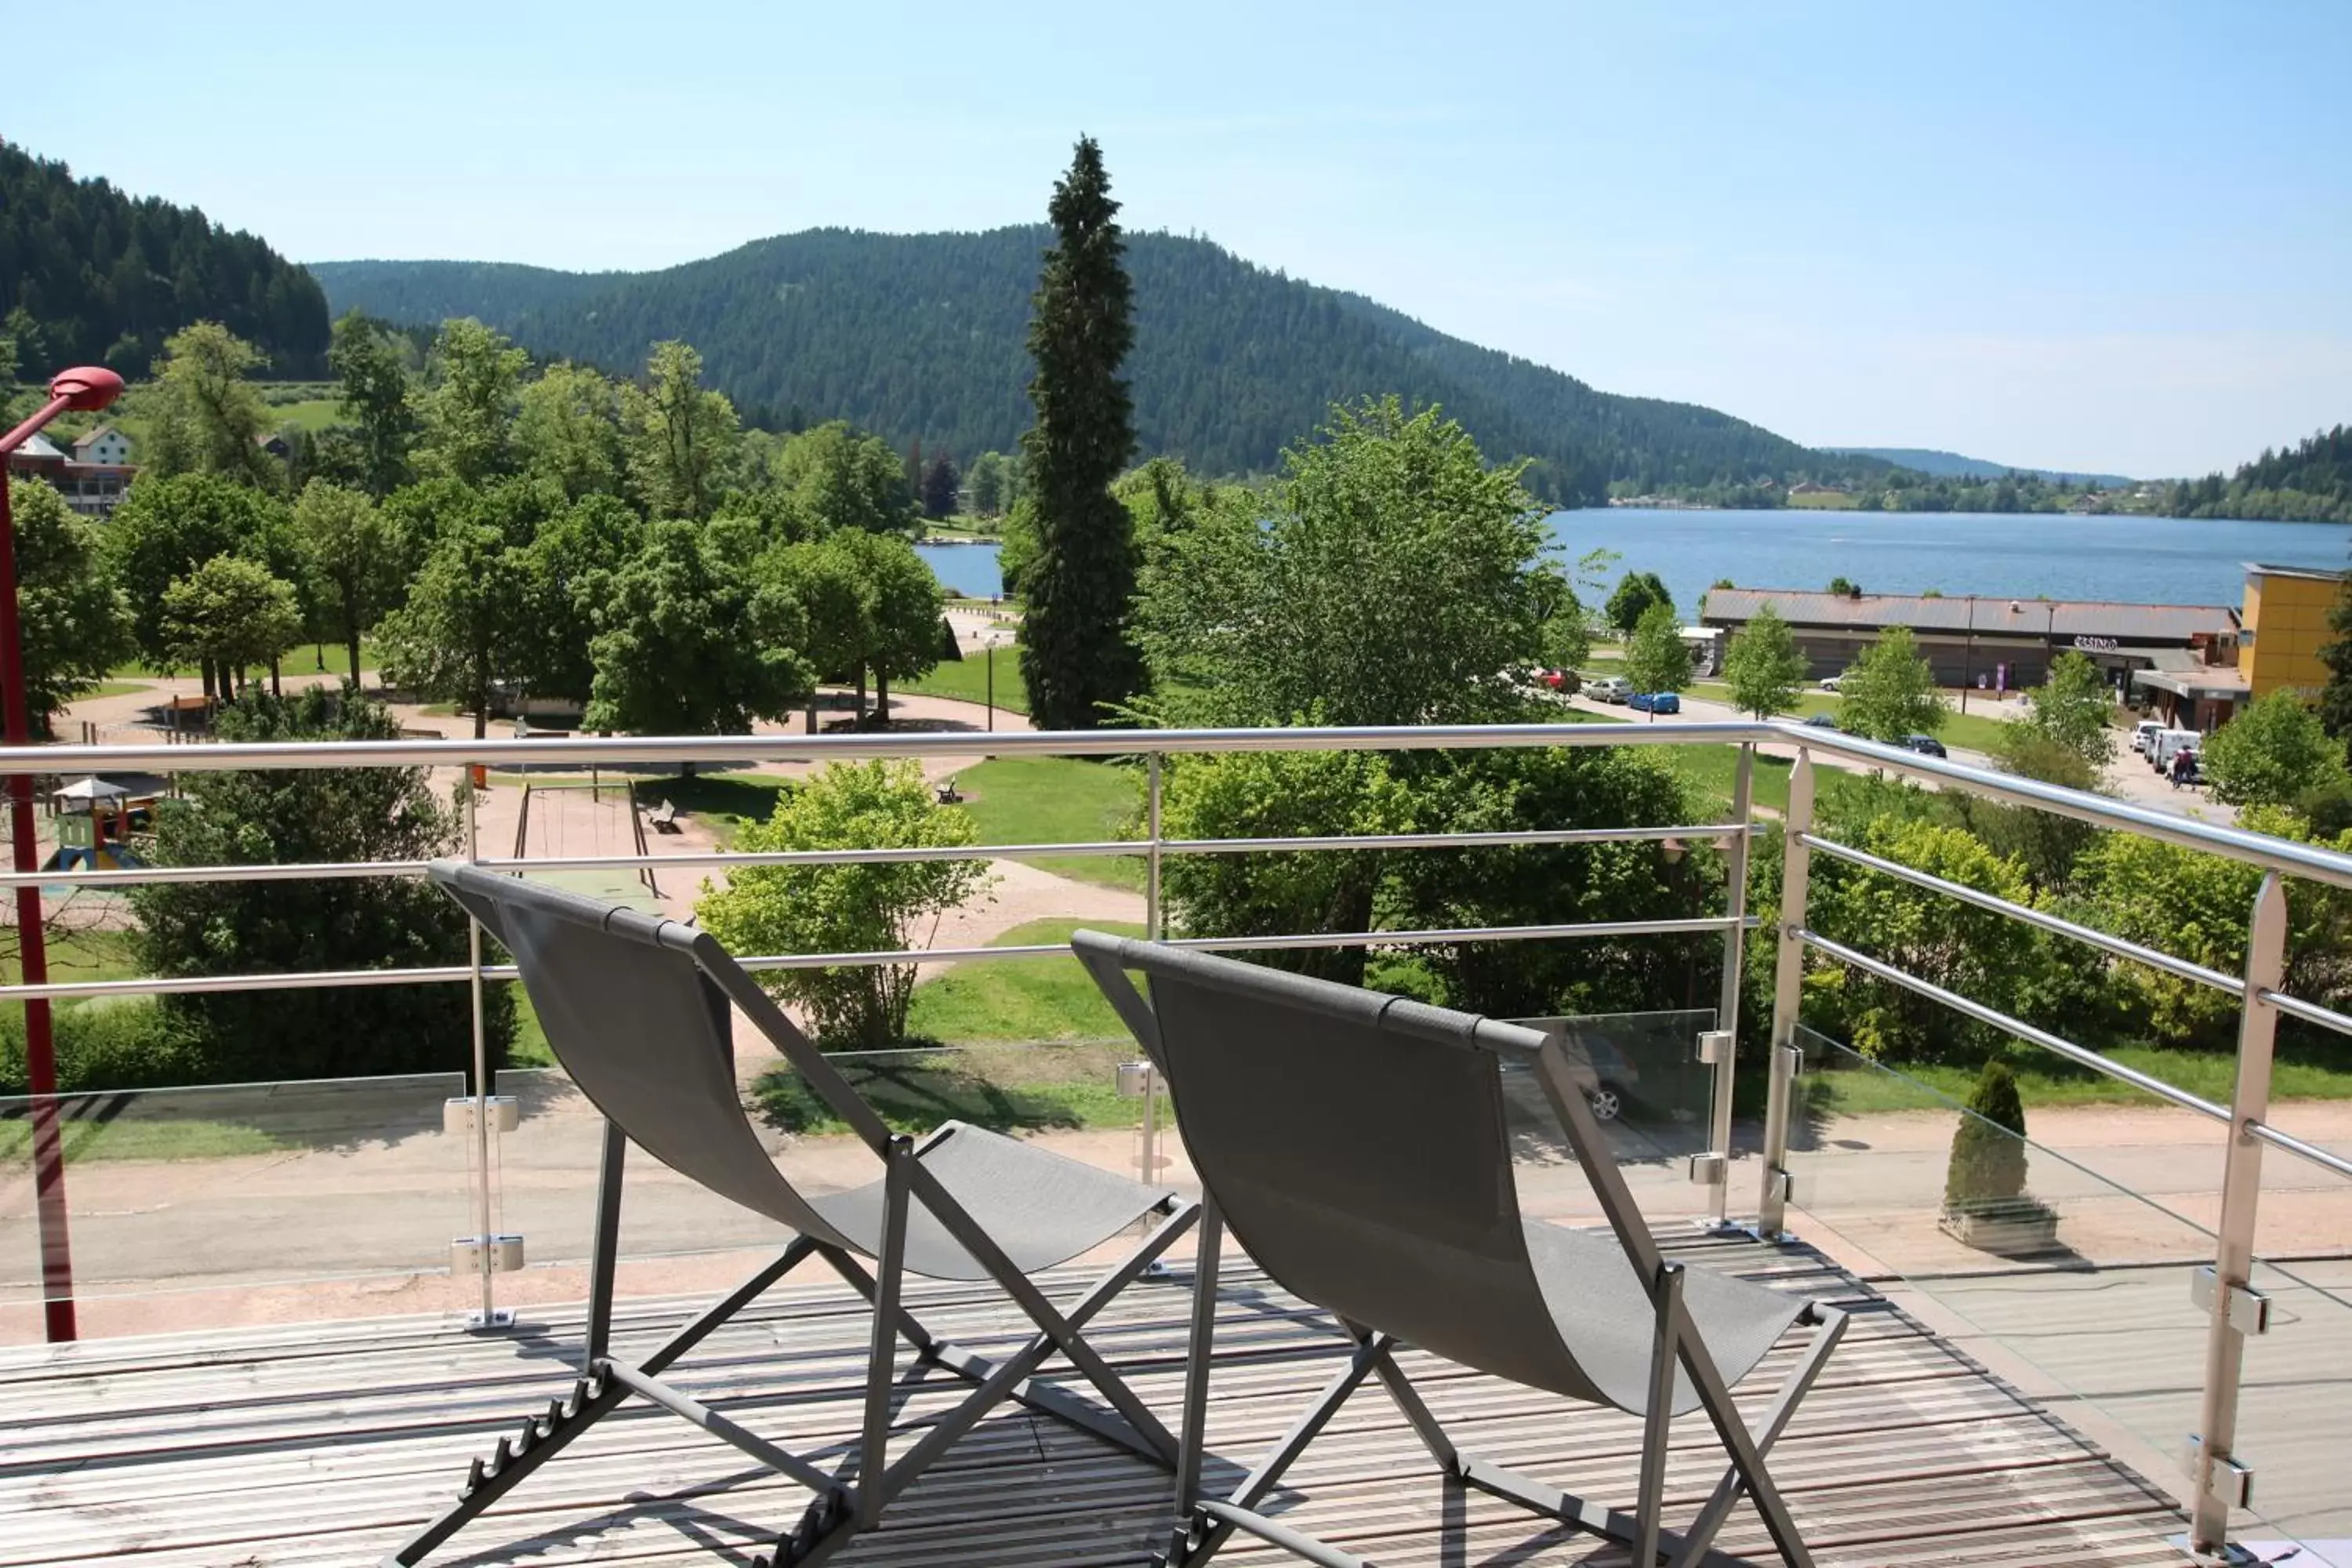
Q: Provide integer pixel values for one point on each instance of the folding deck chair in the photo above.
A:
(1356, 1144)
(637, 1009)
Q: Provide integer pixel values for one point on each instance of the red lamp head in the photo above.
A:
(87, 386)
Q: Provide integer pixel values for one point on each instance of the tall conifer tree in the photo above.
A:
(1075, 651)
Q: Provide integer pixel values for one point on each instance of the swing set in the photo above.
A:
(551, 827)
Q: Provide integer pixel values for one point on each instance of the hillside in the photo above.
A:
(90, 275)
(921, 337)
(1952, 466)
(2310, 481)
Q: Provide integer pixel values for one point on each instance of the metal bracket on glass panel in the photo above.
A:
(2230, 1481)
(1713, 1046)
(1794, 1056)
(2249, 1308)
(466, 1254)
(458, 1115)
(1708, 1170)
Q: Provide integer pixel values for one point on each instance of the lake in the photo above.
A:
(2135, 560)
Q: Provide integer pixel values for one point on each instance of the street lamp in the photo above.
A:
(88, 387)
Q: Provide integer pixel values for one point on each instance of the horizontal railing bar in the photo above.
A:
(2328, 866)
(2101, 811)
(2294, 1146)
(740, 751)
(2309, 1012)
(334, 870)
(2234, 985)
(318, 980)
(2016, 1026)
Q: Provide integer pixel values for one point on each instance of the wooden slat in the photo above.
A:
(306, 1446)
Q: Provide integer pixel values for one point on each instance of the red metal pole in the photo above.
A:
(40, 1045)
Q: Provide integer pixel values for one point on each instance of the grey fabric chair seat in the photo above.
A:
(1042, 1209)
(1603, 1312)
(641, 1012)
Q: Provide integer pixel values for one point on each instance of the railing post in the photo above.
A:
(2219, 1479)
(488, 1250)
(1727, 1007)
(1787, 994)
(1152, 931)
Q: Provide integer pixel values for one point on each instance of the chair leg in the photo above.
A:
(1207, 1258)
(1666, 1297)
(593, 1397)
(1408, 1401)
(1793, 1389)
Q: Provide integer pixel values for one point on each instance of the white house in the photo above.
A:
(105, 445)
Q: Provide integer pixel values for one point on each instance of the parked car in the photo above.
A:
(1926, 745)
(1597, 1064)
(1820, 721)
(2143, 732)
(1656, 702)
(1609, 689)
(1563, 681)
(2163, 743)
(1829, 682)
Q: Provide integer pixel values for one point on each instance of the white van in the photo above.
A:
(2143, 731)
(2161, 746)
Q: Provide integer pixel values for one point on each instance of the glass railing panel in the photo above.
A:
(1642, 1078)
(208, 1206)
(2073, 1286)
(2294, 1419)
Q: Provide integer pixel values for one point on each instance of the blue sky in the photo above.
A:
(2069, 235)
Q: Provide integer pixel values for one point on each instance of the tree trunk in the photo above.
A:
(204, 668)
(276, 689)
(858, 716)
(352, 647)
(881, 701)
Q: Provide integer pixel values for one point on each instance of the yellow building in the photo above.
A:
(2284, 626)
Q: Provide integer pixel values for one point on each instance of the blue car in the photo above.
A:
(1657, 702)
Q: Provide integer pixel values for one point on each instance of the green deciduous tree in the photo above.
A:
(166, 528)
(836, 477)
(2069, 711)
(368, 362)
(568, 571)
(847, 908)
(1656, 658)
(459, 631)
(2271, 754)
(987, 480)
(1764, 665)
(682, 439)
(693, 641)
(347, 554)
(1635, 593)
(210, 417)
(473, 377)
(1890, 692)
(1078, 656)
(308, 815)
(230, 614)
(1388, 577)
(75, 622)
(568, 431)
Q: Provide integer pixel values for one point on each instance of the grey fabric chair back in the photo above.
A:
(1356, 1146)
(640, 1027)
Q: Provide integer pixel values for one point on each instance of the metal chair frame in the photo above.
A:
(1204, 1524)
(851, 1498)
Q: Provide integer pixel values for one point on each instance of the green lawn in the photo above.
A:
(1047, 800)
(1972, 731)
(2323, 1072)
(966, 680)
(79, 955)
(136, 1137)
(1018, 998)
(724, 802)
(305, 658)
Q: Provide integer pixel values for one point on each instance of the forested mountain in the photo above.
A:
(1953, 466)
(921, 337)
(90, 275)
(2308, 482)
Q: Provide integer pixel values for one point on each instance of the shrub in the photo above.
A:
(129, 1043)
(1988, 1166)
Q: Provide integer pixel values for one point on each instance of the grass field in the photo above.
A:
(2304, 1072)
(1047, 800)
(1828, 500)
(1972, 731)
(79, 955)
(139, 1138)
(305, 658)
(967, 681)
(1018, 998)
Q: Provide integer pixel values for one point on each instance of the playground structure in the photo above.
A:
(100, 828)
(551, 830)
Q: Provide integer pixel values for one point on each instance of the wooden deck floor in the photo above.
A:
(315, 1444)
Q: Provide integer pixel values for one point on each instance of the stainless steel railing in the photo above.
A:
(2218, 1474)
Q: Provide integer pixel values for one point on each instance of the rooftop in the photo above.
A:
(1986, 615)
(305, 1445)
(2314, 574)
